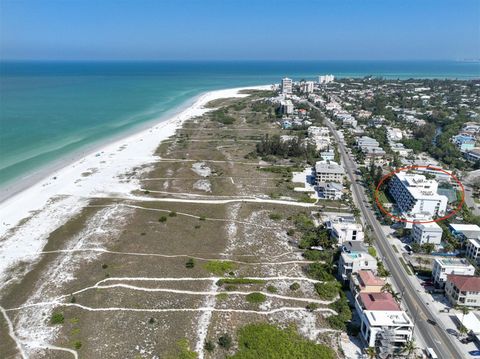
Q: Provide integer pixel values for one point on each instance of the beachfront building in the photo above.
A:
(473, 249)
(414, 194)
(287, 86)
(329, 171)
(463, 290)
(382, 320)
(354, 258)
(365, 281)
(445, 266)
(423, 233)
(325, 79)
(330, 190)
(343, 231)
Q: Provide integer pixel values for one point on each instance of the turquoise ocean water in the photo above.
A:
(50, 110)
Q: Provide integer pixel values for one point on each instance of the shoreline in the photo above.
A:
(47, 204)
(18, 185)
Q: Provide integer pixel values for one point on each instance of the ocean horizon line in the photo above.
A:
(94, 60)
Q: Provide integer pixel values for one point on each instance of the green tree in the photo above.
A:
(225, 341)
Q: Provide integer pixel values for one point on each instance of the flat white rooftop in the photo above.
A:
(464, 227)
(378, 318)
(429, 225)
(453, 262)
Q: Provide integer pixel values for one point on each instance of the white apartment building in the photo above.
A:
(306, 86)
(378, 325)
(286, 107)
(347, 232)
(382, 319)
(445, 266)
(329, 171)
(427, 233)
(473, 249)
(414, 194)
(325, 79)
(353, 261)
(463, 290)
(330, 190)
(287, 86)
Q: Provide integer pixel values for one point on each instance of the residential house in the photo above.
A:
(445, 266)
(330, 190)
(463, 290)
(354, 258)
(365, 281)
(382, 319)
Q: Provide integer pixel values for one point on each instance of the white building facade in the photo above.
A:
(414, 194)
(442, 267)
(353, 262)
(347, 231)
(423, 233)
(287, 86)
(329, 171)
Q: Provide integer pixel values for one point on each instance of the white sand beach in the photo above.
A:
(28, 217)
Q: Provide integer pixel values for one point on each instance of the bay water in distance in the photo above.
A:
(51, 110)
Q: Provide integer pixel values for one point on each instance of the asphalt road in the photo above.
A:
(434, 336)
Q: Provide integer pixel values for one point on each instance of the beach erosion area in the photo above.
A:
(50, 202)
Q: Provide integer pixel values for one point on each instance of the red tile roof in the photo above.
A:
(378, 301)
(465, 282)
(368, 278)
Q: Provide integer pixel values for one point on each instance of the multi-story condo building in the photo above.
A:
(287, 86)
(329, 171)
(414, 194)
(286, 107)
(427, 233)
(382, 320)
(325, 79)
(306, 86)
(463, 290)
(445, 266)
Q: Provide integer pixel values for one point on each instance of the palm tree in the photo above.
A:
(387, 287)
(409, 348)
(371, 352)
(465, 310)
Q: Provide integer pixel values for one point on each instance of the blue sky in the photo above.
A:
(240, 29)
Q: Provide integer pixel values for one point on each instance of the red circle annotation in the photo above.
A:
(399, 219)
